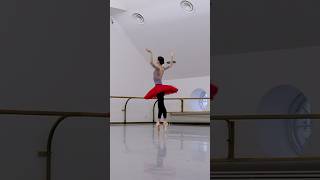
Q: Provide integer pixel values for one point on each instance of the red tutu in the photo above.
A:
(158, 88)
(213, 90)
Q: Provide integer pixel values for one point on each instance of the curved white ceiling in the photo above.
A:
(167, 26)
(242, 26)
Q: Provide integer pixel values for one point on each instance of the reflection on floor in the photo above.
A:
(141, 152)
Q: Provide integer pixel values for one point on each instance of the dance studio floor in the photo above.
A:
(140, 152)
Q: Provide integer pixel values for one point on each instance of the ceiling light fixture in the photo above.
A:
(138, 17)
(186, 5)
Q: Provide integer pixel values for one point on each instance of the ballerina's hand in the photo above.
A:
(148, 50)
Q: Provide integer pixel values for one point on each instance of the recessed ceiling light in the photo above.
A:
(138, 17)
(186, 5)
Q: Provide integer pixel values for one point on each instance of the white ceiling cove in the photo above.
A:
(168, 27)
(242, 26)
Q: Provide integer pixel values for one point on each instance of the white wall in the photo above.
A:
(243, 79)
(53, 57)
(247, 77)
(130, 75)
(186, 86)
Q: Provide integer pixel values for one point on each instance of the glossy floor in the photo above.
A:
(141, 152)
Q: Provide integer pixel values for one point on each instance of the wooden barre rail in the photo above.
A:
(62, 116)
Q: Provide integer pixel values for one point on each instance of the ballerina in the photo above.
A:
(160, 90)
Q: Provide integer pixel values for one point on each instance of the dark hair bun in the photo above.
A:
(161, 60)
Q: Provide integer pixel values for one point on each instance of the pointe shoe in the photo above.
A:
(166, 124)
(158, 124)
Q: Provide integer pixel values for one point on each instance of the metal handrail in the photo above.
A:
(238, 117)
(62, 116)
(231, 119)
(52, 113)
(137, 97)
(185, 113)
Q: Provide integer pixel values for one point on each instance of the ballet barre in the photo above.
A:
(231, 119)
(186, 113)
(128, 98)
(61, 117)
(233, 167)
